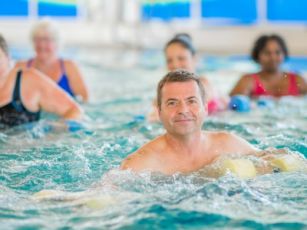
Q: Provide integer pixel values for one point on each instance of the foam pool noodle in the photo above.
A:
(289, 163)
(99, 202)
(47, 194)
(242, 168)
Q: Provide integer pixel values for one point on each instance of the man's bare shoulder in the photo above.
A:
(230, 142)
(145, 156)
(219, 135)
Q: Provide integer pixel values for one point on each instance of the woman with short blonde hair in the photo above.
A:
(46, 41)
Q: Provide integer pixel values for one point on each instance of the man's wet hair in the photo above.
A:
(179, 76)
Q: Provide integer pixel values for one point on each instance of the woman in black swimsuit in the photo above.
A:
(23, 94)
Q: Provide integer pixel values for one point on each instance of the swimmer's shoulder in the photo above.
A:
(69, 63)
(247, 79)
(218, 136)
(36, 78)
(145, 157)
(31, 73)
(73, 73)
(244, 85)
(301, 83)
(70, 66)
(26, 73)
(151, 149)
(231, 142)
(21, 64)
(298, 78)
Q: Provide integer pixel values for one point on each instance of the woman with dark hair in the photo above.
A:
(270, 51)
(181, 54)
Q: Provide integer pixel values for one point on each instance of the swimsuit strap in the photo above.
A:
(292, 89)
(16, 94)
(256, 79)
(64, 82)
(62, 66)
(258, 88)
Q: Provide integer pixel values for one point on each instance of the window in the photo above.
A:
(57, 8)
(14, 8)
(165, 10)
(229, 11)
(287, 10)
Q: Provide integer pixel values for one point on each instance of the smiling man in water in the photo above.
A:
(184, 147)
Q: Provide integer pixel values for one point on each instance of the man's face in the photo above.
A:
(182, 109)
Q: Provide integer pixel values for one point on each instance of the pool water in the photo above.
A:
(122, 85)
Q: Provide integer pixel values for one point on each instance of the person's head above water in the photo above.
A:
(45, 37)
(181, 102)
(184, 147)
(269, 51)
(180, 53)
(179, 75)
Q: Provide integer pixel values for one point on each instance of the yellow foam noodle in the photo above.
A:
(288, 163)
(56, 195)
(46, 194)
(242, 168)
(98, 202)
(78, 198)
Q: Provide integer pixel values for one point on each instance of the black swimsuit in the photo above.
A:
(15, 113)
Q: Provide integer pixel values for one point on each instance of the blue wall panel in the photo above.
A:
(232, 11)
(166, 10)
(14, 8)
(57, 9)
(287, 10)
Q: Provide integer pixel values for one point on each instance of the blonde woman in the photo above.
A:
(65, 73)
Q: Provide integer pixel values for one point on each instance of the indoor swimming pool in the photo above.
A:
(122, 86)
